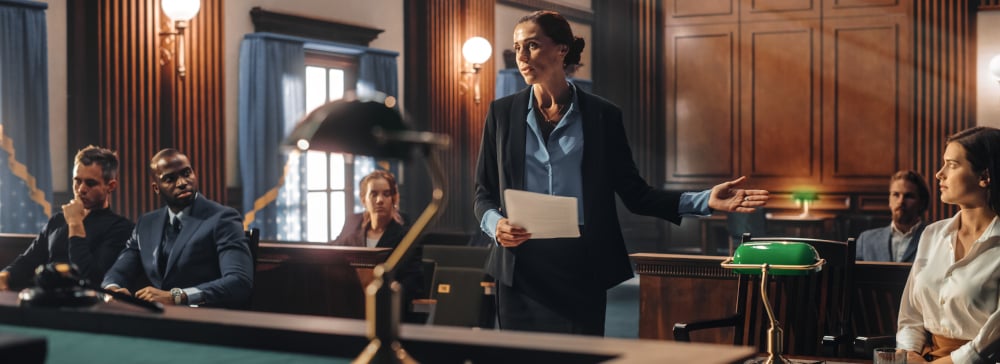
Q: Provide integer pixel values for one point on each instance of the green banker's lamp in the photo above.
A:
(776, 258)
(805, 198)
(374, 128)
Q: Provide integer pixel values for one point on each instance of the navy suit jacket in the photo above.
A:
(210, 254)
(876, 244)
(607, 169)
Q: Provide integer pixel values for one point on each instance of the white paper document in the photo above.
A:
(544, 216)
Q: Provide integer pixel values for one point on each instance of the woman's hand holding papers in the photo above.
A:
(510, 235)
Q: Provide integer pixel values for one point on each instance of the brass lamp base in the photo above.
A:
(375, 352)
(382, 311)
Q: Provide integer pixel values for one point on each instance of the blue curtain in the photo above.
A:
(25, 162)
(510, 81)
(271, 100)
(376, 72)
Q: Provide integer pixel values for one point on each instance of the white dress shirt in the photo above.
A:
(959, 299)
(901, 240)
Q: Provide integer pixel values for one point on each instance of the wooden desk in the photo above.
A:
(817, 225)
(338, 338)
(314, 279)
(683, 288)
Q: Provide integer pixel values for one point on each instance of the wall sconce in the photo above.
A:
(994, 68)
(180, 11)
(476, 51)
(805, 198)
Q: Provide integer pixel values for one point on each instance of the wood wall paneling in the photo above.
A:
(628, 70)
(779, 106)
(688, 12)
(867, 99)
(769, 10)
(839, 8)
(440, 99)
(943, 85)
(702, 102)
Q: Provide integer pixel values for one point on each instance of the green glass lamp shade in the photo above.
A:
(775, 253)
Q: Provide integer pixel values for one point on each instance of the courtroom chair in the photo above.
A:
(808, 307)
(253, 243)
(462, 298)
(754, 223)
(457, 255)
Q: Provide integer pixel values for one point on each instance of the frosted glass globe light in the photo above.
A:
(994, 67)
(181, 10)
(477, 50)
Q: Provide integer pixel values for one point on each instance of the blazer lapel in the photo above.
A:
(189, 225)
(517, 126)
(151, 239)
(593, 146)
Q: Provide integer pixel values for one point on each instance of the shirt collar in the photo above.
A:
(913, 228)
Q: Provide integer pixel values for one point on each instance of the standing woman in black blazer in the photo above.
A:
(557, 139)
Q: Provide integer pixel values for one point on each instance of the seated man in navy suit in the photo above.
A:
(192, 252)
(908, 199)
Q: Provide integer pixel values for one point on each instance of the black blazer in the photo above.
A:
(607, 169)
(354, 233)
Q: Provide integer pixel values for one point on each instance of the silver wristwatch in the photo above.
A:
(177, 294)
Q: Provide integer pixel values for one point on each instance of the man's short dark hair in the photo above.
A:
(165, 153)
(106, 158)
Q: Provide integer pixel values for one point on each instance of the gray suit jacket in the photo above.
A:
(210, 253)
(876, 244)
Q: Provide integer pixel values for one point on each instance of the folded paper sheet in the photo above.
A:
(544, 216)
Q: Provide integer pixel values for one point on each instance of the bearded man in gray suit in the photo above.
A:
(908, 200)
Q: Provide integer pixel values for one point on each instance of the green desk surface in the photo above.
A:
(79, 347)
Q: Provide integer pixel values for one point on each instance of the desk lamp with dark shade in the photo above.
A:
(374, 128)
(774, 258)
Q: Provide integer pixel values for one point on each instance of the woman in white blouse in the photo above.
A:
(949, 311)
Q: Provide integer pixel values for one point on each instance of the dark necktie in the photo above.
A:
(169, 236)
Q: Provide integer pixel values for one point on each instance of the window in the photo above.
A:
(329, 177)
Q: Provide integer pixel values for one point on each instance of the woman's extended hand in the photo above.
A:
(726, 197)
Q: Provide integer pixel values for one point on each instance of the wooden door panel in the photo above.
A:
(690, 12)
(779, 105)
(701, 102)
(842, 8)
(866, 99)
(771, 10)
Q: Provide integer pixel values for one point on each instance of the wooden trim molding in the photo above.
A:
(582, 15)
(297, 25)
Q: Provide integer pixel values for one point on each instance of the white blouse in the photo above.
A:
(959, 299)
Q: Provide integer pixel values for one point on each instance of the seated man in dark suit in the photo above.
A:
(193, 251)
(908, 200)
(87, 233)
